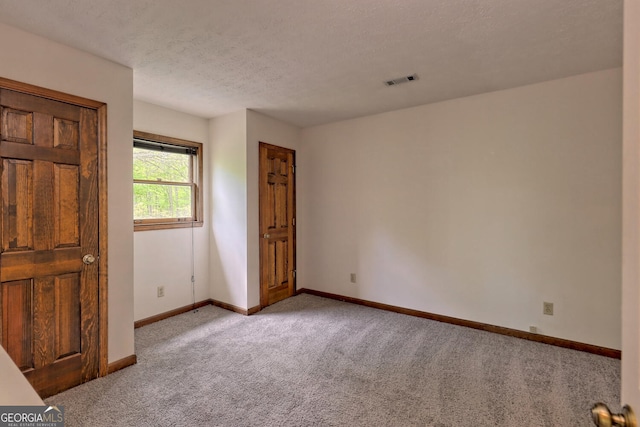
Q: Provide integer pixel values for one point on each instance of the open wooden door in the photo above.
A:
(277, 224)
(631, 207)
(630, 226)
(49, 245)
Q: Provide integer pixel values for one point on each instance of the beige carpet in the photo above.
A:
(310, 361)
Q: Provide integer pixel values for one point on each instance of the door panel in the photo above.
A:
(65, 134)
(277, 229)
(66, 290)
(65, 204)
(17, 126)
(49, 190)
(17, 198)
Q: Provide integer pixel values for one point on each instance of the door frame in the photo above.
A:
(264, 300)
(101, 110)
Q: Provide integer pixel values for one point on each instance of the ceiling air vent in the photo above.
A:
(399, 80)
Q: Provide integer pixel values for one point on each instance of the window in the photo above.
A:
(167, 182)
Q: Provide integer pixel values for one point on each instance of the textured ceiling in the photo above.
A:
(311, 62)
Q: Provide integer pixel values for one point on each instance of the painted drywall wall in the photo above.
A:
(164, 257)
(479, 208)
(16, 389)
(260, 128)
(228, 233)
(38, 61)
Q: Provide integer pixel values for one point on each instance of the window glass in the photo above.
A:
(161, 201)
(154, 165)
(166, 182)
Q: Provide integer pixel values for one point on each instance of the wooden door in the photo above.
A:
(630, 375)
(631, 207)
(277, 224)
(48, 223)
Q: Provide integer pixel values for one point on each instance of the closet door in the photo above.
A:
(49, 240)
(277, 224)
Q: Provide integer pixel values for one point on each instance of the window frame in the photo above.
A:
(196, 184)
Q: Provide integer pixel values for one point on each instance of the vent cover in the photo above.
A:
(399, 80)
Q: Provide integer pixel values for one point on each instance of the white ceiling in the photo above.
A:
(310, 62)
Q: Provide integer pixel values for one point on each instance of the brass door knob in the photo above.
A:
(266, 235)
(602, 416)
(88, 259)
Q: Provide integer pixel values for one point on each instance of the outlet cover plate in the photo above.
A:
(547, 308)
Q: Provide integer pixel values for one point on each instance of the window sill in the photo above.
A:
(166, 225)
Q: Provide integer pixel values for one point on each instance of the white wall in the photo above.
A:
(228, 218)
(260, 128)
(479, 208)
(163, 257)
(35, 60)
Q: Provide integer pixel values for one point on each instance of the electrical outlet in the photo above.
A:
(547, 308)
(533, 329)
(160, 291)
(353, 277)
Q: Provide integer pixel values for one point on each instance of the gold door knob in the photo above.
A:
(602, 416)
(266, 236)
(88, 259)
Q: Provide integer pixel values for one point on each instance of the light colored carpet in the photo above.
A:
(310, 361)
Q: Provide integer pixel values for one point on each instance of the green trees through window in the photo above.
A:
(162, 184)
(166, 182)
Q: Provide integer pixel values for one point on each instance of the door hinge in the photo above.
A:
(294, 273)
(293, 222)
(293, 168)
